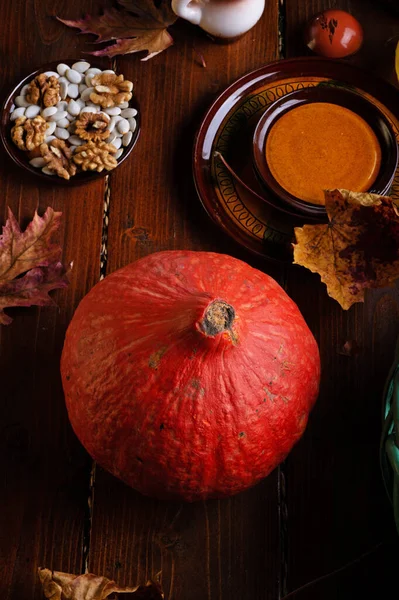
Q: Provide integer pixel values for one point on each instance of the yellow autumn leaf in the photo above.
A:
(356, 250)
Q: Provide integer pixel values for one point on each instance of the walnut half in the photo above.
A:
(95, 157)
(28, 134)
(92, 126)
(44, 90)
(110, 89)
(58, 158)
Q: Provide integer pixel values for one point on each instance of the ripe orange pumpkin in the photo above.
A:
(189, 374)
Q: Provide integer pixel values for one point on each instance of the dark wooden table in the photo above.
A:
(325, 507)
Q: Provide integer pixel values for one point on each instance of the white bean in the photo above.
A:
(47, 171)
(75, 140)
(127, 113)
(119, 153)
(51, 74)
(81, 66)
(62, 68)
(90, 74)
(132, 124)
(111, 138)
(82, 87)
(86, 94)
(63, 88)
(118, 133)
(88, 109)
(124, 105)
(49, 111)
(73, 90)
(96, 106)
(94, 70)
(38, 162)
(32, 111)
(111, 126)
(51, 125)
(73, 108)
(49, 138)
(127, 138)
(117, 143)
(60, 114)
(21, 101)
(62, 105)
(73, 76)
(80, 102)
(18, 112)
(63, 123)
(104, 115)
(70, 117)
(62, 134)
(114, 111)
(116, 119)
(24, 90)
(109, 71)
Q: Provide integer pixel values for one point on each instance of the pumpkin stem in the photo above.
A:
(218, 317)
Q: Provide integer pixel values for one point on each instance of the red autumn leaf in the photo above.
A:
(139, 26)
(29, 263)
(64, 586)
(32, 288)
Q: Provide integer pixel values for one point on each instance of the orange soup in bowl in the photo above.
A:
(319, 146)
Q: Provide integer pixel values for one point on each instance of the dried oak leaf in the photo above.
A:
(64, 586)
(34, 254)
(139, 26)
(358, 249)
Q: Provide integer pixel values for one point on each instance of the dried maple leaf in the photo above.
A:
(34, 254)
(140, 25)
(64, 586)
(356, 250)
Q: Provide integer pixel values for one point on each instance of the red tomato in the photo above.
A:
(334, 34)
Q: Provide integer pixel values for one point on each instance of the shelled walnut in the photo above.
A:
(28, 134)
(110, 90)
(92, 126)
(57, 156)
(44, 90)
(95, 156)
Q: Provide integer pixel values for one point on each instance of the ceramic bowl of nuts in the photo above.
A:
(70, 121)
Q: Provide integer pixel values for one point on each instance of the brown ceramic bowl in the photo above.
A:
(333, 95)
(20, 158)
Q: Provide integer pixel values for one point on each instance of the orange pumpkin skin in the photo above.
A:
(189, 375)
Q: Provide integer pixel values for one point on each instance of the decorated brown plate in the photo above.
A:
(228, 128)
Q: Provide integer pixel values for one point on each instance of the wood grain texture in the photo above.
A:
(44, 473)
(336, 504)
(216, 550)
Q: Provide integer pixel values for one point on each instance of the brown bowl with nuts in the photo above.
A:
(70, 122)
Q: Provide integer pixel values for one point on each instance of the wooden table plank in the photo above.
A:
(336, 504)
(44, 473)
(227, 549)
